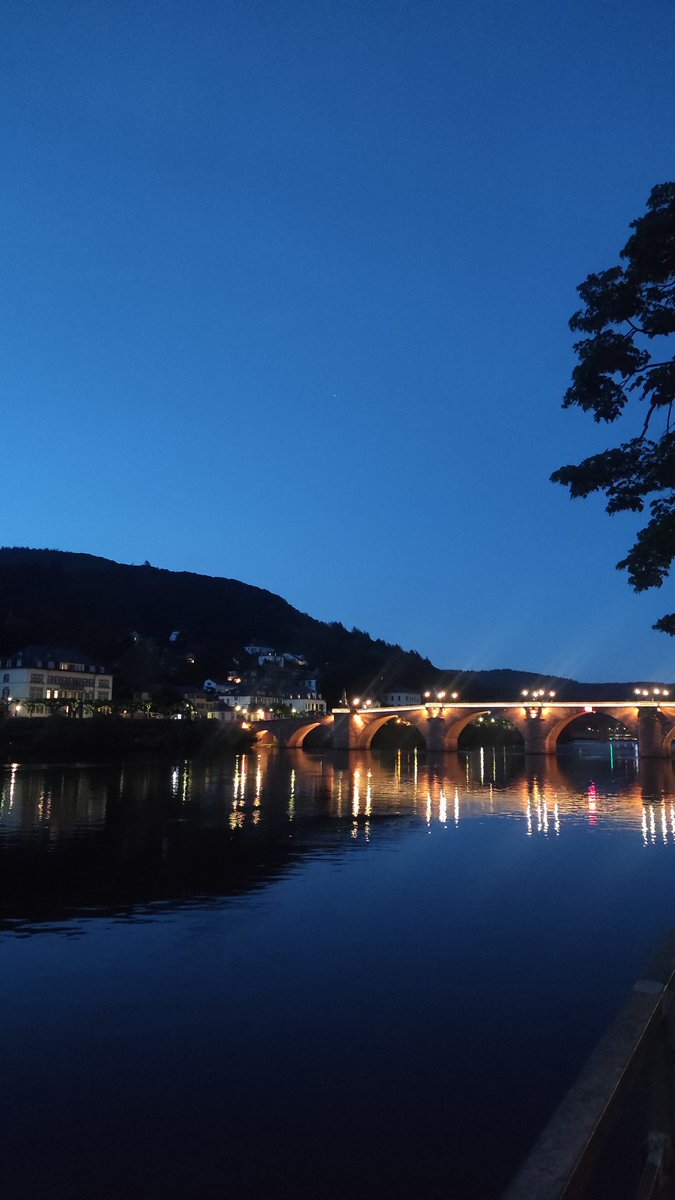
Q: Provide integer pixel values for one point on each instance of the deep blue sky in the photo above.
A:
(286, 291)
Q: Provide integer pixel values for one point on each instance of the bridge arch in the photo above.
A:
(265, 737)
(400, 731)
(296, 739)
(376, 723)
(624, 715)
(457, 725)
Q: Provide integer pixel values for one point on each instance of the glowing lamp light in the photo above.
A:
(455, 695)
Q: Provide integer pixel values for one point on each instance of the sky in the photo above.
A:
(286, 290)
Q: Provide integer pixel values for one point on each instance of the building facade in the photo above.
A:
(37, 679)
(402, 697)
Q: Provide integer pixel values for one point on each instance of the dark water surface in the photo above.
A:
(312, 976)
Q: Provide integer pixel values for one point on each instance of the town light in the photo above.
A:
(455, 695)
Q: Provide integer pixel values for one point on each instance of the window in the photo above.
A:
(37, 678)
(5, 679)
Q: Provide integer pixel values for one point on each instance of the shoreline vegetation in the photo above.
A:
(57, 738)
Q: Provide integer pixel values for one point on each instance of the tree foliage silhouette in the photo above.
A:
(626, 368)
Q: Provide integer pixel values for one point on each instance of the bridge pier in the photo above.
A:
(343, 730)
(435, 735)
(651, 734)
(535, 729)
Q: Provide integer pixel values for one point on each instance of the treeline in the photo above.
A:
(124, 616)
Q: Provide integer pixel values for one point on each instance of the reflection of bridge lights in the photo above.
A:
(291, 798)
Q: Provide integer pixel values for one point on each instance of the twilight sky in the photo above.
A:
(286, 291)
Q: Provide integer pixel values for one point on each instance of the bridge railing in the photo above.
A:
(612, 1135)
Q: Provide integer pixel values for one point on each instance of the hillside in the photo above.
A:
(60, 598)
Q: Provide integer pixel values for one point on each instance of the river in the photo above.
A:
(298, 975)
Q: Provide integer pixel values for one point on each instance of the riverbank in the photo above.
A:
(65, 738)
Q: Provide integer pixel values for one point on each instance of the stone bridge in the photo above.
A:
(440, 724)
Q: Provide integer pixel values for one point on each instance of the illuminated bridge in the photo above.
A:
(540, 722)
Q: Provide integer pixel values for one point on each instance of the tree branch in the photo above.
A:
(648, 418)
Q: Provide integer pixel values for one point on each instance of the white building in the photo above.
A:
(401, 697)
(255, 702)
(309, 702)
(45, 673)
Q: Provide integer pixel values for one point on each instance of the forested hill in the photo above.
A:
(95, 605)
(59, 598)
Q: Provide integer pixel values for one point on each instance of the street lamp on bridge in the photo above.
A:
(436, 704)
(535, 699)
(655, 694)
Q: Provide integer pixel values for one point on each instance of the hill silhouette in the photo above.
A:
(124, 616)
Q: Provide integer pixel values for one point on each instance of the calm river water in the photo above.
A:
(309, 976)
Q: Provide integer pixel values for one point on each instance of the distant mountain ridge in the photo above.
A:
(66, 598)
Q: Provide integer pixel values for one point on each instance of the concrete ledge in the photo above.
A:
(562, 1159)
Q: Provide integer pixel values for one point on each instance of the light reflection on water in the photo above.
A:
(545, 794)
(264, 962)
